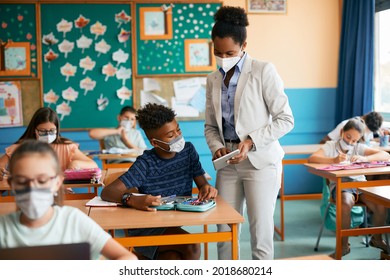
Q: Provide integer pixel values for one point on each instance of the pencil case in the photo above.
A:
(88, 175)
(193, 205)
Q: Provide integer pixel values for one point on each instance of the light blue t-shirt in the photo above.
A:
(68, 225)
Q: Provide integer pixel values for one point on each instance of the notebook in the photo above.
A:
(73, 251)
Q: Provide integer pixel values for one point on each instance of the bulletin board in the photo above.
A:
(86, 62)
(167, 92)
(18, 25)
(161, 34)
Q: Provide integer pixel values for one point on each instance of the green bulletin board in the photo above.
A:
(167, 56)
(17, 23)
(87, 22)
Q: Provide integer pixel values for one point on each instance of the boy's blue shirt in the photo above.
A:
(156, 176)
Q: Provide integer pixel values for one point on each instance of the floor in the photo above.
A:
(302, 224)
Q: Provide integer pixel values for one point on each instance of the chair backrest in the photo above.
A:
(106, 164)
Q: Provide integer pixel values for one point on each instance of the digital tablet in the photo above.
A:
(222, 161)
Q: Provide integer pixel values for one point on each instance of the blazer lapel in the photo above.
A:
(246, 69)
(217, 98)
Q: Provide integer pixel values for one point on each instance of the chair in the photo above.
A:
(331, 201)
(106, 165)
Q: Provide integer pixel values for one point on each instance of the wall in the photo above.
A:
(303, 44)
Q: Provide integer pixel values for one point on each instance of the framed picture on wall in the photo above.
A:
(156, 23)
(16, 59)
(266, 6)
(199, 55)
(10, 104)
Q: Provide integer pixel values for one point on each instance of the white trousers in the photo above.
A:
(242, 183)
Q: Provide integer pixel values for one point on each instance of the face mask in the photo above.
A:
(35, 202)
(49, 138)
(227, 63)
(175, 146)
(345, 146)
(368, 136)
(127, 124)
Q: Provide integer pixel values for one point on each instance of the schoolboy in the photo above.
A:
(169, 168)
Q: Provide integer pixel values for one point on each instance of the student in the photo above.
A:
(348, 148)
(373, 122)
(169, 168)
(246, 109)
(125, 136)
(35, 179)
(45, 126)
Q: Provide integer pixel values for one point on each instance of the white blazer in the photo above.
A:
(261, 111)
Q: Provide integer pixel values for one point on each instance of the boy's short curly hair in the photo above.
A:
(153, 116)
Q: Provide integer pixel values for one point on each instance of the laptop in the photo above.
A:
(73, 251)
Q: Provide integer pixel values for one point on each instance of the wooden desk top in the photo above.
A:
(379, 195)
(117, 156)
(120, 218)
(313, 168)
(112, 174)
(8, 207)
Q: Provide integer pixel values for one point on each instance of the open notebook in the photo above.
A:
(73, 251)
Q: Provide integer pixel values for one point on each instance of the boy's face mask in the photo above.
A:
(175, 146)
(127, 124)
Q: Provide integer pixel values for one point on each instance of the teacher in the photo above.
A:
(246, 109)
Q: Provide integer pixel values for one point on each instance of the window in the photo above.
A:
(382, 64)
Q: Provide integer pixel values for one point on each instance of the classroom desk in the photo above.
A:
(303, 151)
(379, 195)
(336, 176)
(95, 186)
(111, 218)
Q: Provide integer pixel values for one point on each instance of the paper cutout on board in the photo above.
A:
(64, 26)
(187, 88)
(50, 97)
(122, 17)
(184, 110)
(70, 94)
(81, 22)
(150, 97)
(63, 110)
(87, 63)
(50, 56)
(120, 57)
(83, 43)
(68, 70)
(98, 29)
(66, 47)
(123, 74)
(102, 102)
(124, 94)
(49, 39)
(124, 36)
(87, 84)
(10, 104)
(167, 8)
(151, 84)
(199, 100)
(102, 47)
(109, 70)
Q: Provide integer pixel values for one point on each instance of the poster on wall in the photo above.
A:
(10, 104)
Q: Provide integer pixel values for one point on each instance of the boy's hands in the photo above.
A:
(207, 192)
(144, 201)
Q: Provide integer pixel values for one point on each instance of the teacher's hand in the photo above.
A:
(221, 152)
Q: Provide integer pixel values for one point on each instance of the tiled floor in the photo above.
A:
(302, 224)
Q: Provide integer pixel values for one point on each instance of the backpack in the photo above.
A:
(357, 213)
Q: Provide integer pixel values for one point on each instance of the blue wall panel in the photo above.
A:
(314, 113)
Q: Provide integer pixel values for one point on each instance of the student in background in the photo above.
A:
(45, 126)
(348, 148)
(169, 168)
(373, 121)
(125, 136)
(246, 109)
(35, 179)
